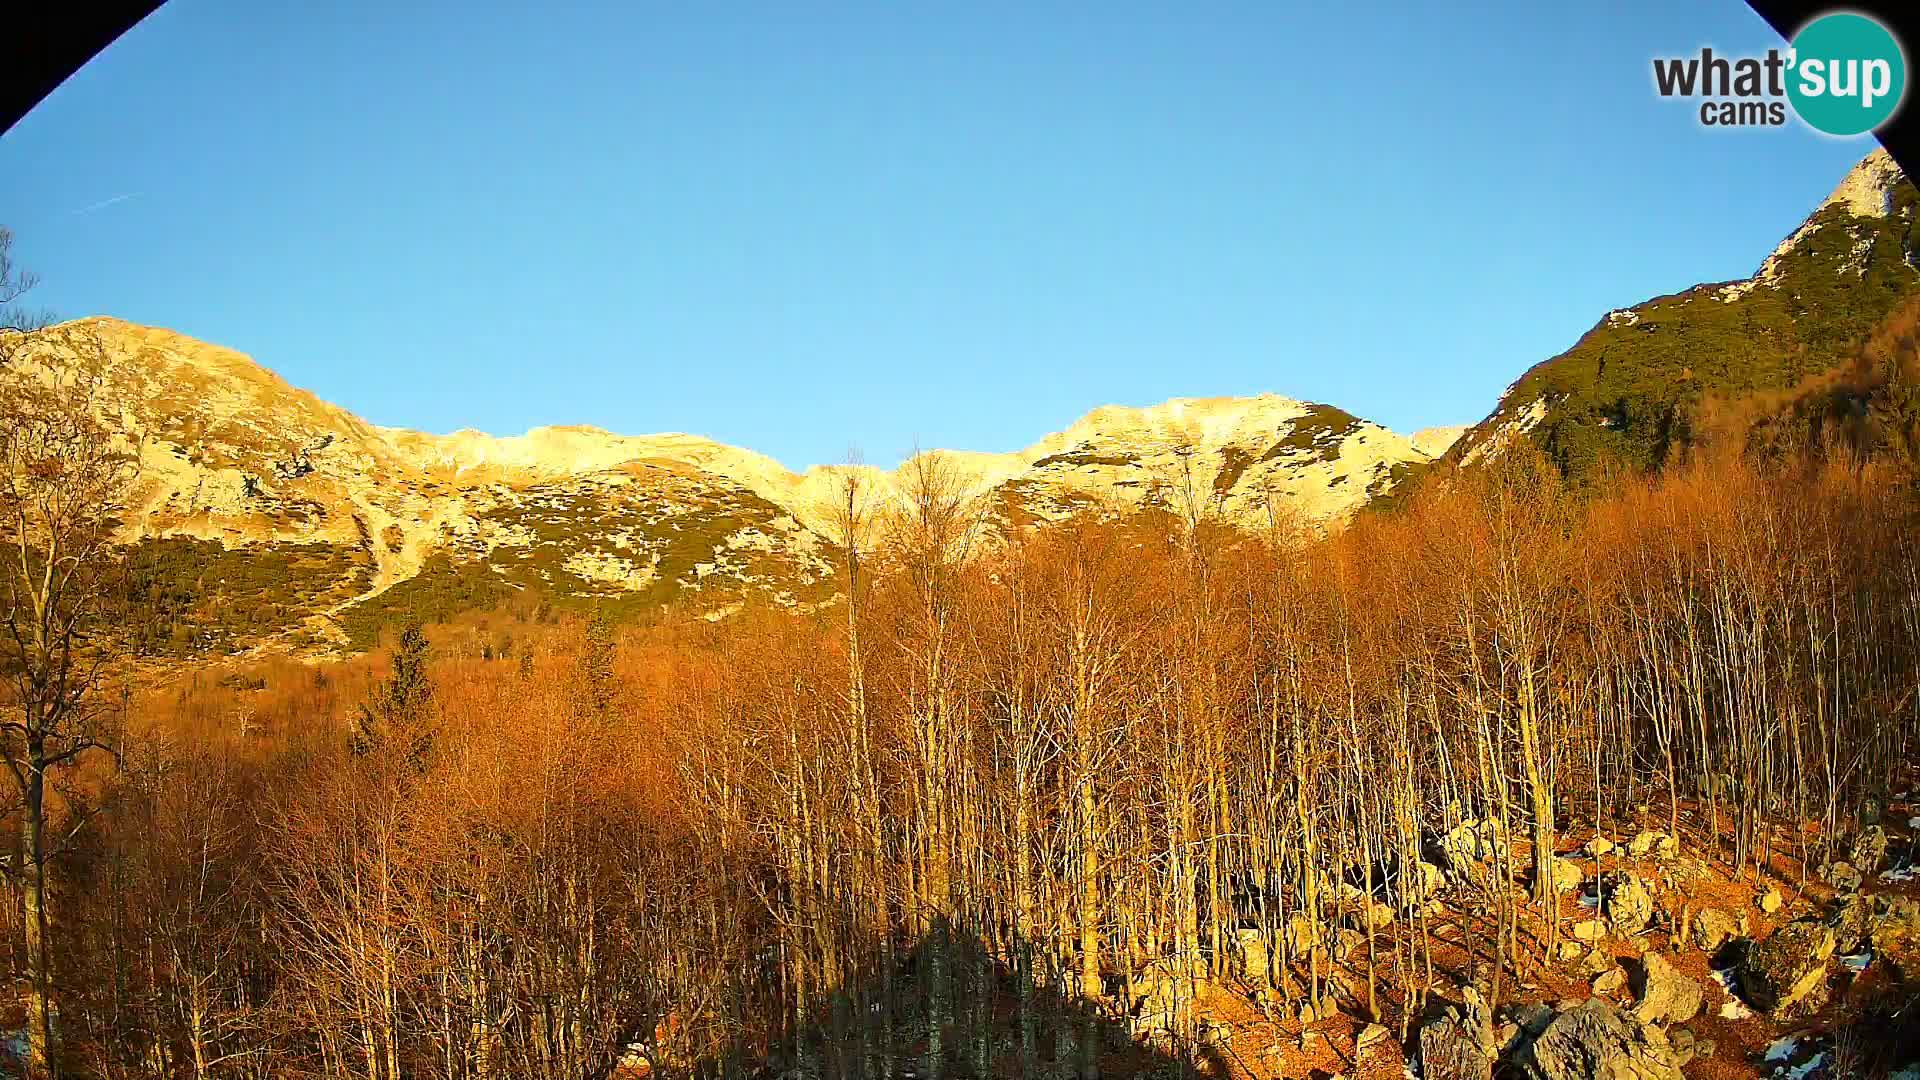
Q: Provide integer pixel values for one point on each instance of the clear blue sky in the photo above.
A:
(804, 227)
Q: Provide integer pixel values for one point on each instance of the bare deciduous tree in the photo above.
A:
(65, 478)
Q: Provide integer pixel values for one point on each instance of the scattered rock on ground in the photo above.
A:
(1771, 901)
(1595, 1040)
(1653, 842)
(1628, 905)
(1787, 973)
(1666, 995)
(1713, 928)
(1459, 1044)
(1589, 930)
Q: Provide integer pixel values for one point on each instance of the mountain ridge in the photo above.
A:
(235, 456)
(1626, 392)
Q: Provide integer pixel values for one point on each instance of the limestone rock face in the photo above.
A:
(1569, 399)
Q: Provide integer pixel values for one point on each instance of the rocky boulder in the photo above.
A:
(1786, 974)
(1888, 926)
(1468, 850)
(1843, 876)
(1361, 911)
(1595, 1041)
(1627, 904)
(1655, 843)
(1250, 955)
(1713, 928)
(1459, 1044)
(1567, 875)
(1685, 1046)
(1610, 982)
(1666, 995)
(1300, 938)
(1417, 884)
(1162, 999)
(1869, 850)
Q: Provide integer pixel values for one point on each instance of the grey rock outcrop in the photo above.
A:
(1459, 1044)
(1713, 928)
(1869, 850)
(1787, 973)
(1628, 905)
(1666, 995)
(1595, 1041)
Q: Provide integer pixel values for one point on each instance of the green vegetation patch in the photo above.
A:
(442, 589)
(1234, 462)
(187, 597)
(1085, 456)
(1629, 392)
(1316, 435)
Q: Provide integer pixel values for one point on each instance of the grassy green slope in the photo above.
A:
(1629, 392)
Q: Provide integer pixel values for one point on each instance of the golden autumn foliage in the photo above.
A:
(1004, 791)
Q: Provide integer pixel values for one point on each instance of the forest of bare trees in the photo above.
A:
(968, 820)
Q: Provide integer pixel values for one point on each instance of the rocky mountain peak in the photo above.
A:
(1867, 189)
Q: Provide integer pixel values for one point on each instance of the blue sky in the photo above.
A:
(805, 228)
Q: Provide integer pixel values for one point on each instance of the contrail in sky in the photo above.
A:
(103, 204)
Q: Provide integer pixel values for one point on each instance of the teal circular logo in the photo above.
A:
(1848, 74)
